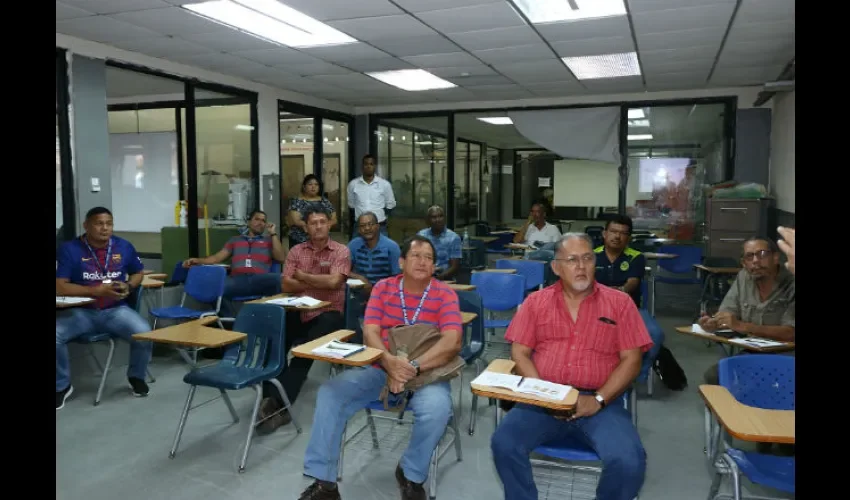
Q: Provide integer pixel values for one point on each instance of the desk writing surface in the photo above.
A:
(462, 288)
(193, 334)
(362, 358)
(717, 270)
(656, 255)
(503, 271)
(467, 317)
(263, 300)
(507, 366)
(747, 422)
(148, 282)
(66, 302)
(688, 330)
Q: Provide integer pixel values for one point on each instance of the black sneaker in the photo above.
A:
(62, 395)
(139, 386)
(409, 489)
(319, 491)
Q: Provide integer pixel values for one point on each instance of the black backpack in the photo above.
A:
(669, 371)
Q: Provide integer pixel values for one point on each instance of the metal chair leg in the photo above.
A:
(226, 398)
(183, 416)
(105, 369)
(341, 454)
(286, 403)
(259, 397)
(372, 429)
(650, 382)
(458, 450)
(715, 485)
(432, 474)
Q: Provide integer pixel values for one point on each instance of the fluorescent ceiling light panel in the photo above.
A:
(604, 66)
(556, 11)
(640, 137)
(636, 113)
(497, 120)
(412, 80)
(270, 20)
(639, 123)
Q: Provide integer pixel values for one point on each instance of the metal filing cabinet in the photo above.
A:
(730, 222)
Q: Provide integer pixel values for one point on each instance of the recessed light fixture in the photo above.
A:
(243, 127)
(412, 80)
(270, 20)
(640, 137)
(556, 11)
(497, 120)
(639, 123)
(604, 66)
(636, 113)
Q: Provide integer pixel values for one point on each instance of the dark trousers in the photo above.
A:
(293, 376)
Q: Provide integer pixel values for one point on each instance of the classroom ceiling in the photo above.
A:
(485, 47)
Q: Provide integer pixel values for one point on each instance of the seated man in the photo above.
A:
(411, 298)
(253, 255)
(622, 267)
(106, 268)
(761, 301)
(538, 233)
(317, 268)
(446, 242)
(373, 255)
(588, 336)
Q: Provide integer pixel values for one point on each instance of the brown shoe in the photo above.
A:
(317, 491)
(269, 420)
(409, 489)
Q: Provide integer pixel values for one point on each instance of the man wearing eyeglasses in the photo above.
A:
(761, 302)
(590, 337)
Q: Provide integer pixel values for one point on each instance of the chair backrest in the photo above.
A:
(499, 291)
(205, 283)
(595, 233)
(760, 380)
(477, 256)
(470, 301)
(501, 240)
(178, 276)
(265, 325)
(684, 263)
(533, 270)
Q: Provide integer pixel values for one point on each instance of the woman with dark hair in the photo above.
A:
(310, 198)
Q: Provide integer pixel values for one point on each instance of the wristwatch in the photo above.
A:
(415, 364)
(600, 399)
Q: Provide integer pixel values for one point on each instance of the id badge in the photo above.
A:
(107, 281)
(247, 262)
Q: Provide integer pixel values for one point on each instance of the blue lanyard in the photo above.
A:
(404, 306)
(97, 262)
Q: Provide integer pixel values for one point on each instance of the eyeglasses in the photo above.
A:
(761, 254)
(573, 260)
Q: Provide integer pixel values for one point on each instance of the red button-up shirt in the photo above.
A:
(584, 352)
(333, 258)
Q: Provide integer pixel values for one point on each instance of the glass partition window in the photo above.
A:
(335, 152)
(461, 193)
(474, 166)
(296, 152)
(673, 152)
(406, 187)
(59, 214)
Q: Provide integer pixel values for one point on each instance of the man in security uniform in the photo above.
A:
(619, 266)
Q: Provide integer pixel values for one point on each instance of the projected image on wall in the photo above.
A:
(656, 173)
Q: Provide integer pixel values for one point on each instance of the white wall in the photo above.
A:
(782, 167)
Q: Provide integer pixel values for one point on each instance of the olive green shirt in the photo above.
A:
(744, 302)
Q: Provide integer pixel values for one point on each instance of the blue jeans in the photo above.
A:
(120, 321)
(610, 433)
(344, 395)
(244, 285)
(657, 336)
(545, 253)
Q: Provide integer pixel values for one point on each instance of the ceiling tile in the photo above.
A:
(64, 12)
(463, 19)
(684, 38)
(698, 65)
(700, 16)
(470, 81)
(351, 81)
(326, 10)
(496, 38)
(537, 71)
(735, 76)
(229, 41)
(347, 52)
(606, 27)
(671, 81)
(502, 95)
(383, 64)
(368, 29)
(283, 80)
(533, 52)
(416, 45)
(454, 72)
(162, 47)
(103, 29)
(561, 92)
(316, 68)
(214, 60)
(493, 88)
(277, 57)
(564, 85)
(594, 46)
(766, 11)
(442, 60)
(427, 5)
(171, 21)
(114, 6)
(456, 94)
(753, 32)
(756, 54)
(626, 84)
(678, 54)
(641, 6)
(257, 72)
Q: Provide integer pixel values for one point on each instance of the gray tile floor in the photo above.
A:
(119, 450)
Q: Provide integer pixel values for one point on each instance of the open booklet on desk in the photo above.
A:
(337, 349)
(723, 332)
(525, 385)
(304, 301)
(757, 342)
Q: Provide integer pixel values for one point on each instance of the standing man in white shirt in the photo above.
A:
(370, 193)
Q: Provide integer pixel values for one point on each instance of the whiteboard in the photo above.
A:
(144, 180)
(583, 183)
